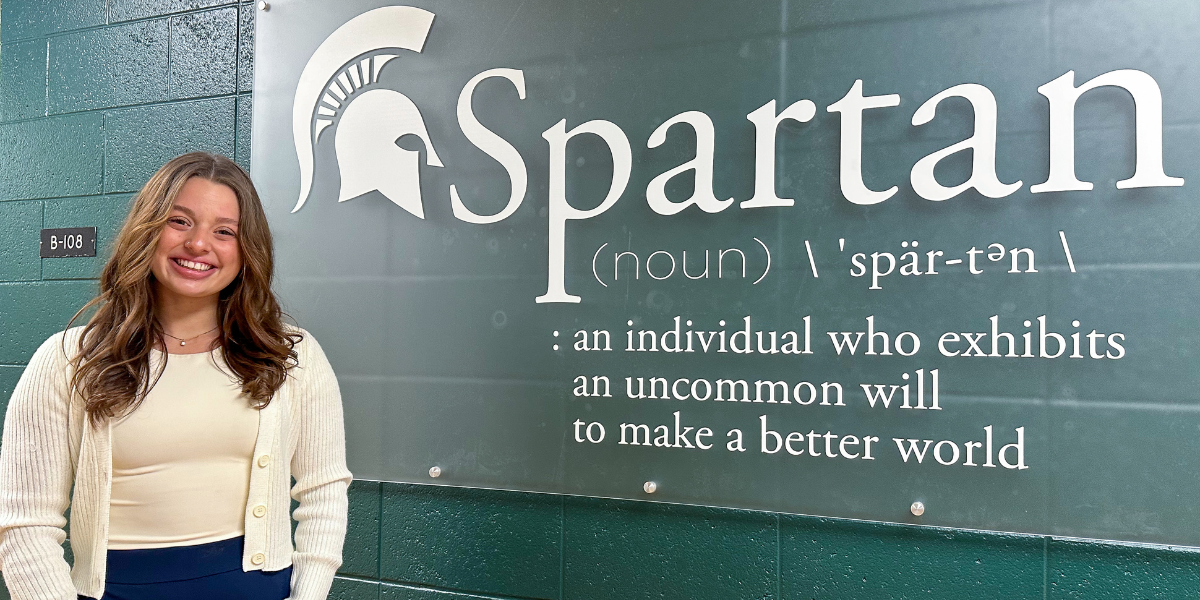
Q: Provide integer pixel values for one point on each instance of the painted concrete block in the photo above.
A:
(825, 558)
(628, 550)
(204, 53)
(501, 543)
(245, 63)
(50, 158)
(9, 374)
(20, 225)
(360, 552)
(125, 10)
(105, 213)
(408, 592)
(31, 312)
(23, 80)
(23, 19)
(141, 139)
(245, 130)
(353, 589)
(114, 66)
(1079, 570)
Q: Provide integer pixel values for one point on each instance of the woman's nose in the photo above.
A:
(196, 244)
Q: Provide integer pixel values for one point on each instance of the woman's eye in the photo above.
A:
(226, 232)
(177, 221)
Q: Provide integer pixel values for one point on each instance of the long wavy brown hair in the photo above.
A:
(112, 366)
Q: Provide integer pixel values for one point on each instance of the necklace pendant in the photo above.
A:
(182, 343)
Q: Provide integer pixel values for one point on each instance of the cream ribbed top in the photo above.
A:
(182, 459)
(48, 447)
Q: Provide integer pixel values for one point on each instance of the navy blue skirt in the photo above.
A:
(205, 572)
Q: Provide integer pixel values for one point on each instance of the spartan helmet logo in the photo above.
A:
(339, 86)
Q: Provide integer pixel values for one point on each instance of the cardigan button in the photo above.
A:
(264, 460)
(258, 559)
(260, 511)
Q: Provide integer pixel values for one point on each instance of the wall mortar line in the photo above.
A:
(123, 107)
(1045, 568)
(110, 24)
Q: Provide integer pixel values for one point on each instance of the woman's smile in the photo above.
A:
(193, 269)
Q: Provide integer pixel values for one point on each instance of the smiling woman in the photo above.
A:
(175, 420)
(197, 253)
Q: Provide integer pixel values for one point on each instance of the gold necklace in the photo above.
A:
(184, 341)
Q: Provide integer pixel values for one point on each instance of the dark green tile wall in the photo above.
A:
(132, 105)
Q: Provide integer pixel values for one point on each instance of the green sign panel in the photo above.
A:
(914, 261)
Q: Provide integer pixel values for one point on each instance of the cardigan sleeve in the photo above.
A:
(36, 472)
(319, 467)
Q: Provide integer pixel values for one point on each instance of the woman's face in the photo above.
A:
(197, 253)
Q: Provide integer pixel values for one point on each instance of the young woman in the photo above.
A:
(174, 422)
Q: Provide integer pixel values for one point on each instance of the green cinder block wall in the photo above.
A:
(94, 94)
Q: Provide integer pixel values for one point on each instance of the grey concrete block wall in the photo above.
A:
(91, 102)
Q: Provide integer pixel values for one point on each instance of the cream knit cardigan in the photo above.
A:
(48, 446)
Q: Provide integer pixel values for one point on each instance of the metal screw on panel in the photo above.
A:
(650, 487)
(435, 472)
(263, 6)
(917, 508)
